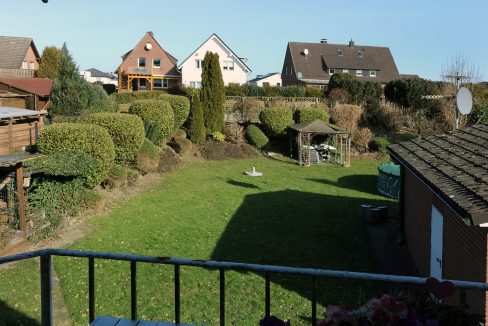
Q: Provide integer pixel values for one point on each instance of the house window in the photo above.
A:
(165, 83)
(142, 83)
(196, 84)
(360, 54)
(340, 53)
(199, 63)
(160, 83)
(228, 65)
(278, 84)
(156, 63)
(141, 62)
(372, 73)
(359, 73)
(331, 71)
(265, 84)
(24, 65)
(345, 71)
(31, 65)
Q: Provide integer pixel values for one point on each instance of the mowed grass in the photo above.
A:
(291, 216)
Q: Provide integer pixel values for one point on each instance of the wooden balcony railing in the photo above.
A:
(22, 73)
(267, 270)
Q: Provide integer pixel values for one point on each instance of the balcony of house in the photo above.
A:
(144, 78)
(310, 279)
(18, 73)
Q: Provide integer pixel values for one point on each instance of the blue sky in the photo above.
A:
(422, 35)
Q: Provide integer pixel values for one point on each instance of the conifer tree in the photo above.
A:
(197, 127)
(212, 93)
(50, 58)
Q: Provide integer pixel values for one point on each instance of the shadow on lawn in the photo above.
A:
(365, 183)
(10, 316)
(242, 184)
(300, 229)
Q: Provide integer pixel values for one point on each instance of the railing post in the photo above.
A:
(222, 297)
(46, 291)
(133, 290)
(177, 294)
(91, 289)
(267, 295)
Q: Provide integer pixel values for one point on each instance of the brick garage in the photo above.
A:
(444, 206)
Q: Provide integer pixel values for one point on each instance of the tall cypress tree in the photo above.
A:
(48, 67)
(212, 93)
(197, 127)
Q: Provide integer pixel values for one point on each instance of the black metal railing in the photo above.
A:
(267, 270)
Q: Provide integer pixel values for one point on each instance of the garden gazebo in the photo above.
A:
(338, 151)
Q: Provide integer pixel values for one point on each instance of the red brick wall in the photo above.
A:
(464, 247)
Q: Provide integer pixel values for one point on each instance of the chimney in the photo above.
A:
(351, 43)
(323, 41)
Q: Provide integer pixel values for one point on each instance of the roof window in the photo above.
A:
(340, 53)
(360, 54)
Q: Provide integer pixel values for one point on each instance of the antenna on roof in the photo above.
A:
(305, 52)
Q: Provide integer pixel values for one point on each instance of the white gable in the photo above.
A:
(233, 68)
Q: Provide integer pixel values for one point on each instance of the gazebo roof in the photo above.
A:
(317, 127)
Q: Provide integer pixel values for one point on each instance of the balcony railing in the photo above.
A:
(267, 270)
(139, 71)
(23, 73)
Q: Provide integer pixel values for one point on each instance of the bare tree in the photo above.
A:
(460, 71)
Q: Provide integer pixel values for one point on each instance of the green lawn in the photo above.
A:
(291, 216)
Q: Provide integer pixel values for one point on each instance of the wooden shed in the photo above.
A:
(444, 207)
(26, 93)
(19, 129)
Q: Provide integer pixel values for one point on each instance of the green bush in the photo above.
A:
(155, 111)
(125, 98)
(310, 114)
(253, 90)
(147, 159)
(276, 120)
(314, 92)
(292, 91)
(379, 144)
(117, 176)
(180, 133)
(89, 139)
(235, 90)
(217, 136)
(181, 145)
(256, 136)
(197, 131)
(180, 106)
(126, 130)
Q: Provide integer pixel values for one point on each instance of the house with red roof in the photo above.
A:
(26, 93)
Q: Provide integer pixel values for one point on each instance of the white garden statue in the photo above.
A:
(253, 173)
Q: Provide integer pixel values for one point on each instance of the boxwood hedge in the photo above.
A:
(158, 112)
(275, 120)
(126, 130)
(180, 106)
(87, 138)
(310, 114)
(256, 136)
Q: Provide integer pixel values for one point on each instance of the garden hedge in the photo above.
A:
(275, 120)
(125, 98)
(310, 114)
(87, 138)
(147, 159)
(256, 136)
(155, 111)
(180, 106)
(126, 130)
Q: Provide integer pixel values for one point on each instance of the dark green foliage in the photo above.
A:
(310, 114)
(180, 133)
(90, 139)
(235, 90)
(292, 91)
(256, 136)
(348, 83)
(48, 66)
(272, 91)
(276, 120)
(407, 92)
(109, 88)
(64, 163)
(117, 177)
(151, 130)
(253, 90)
(379, 144)
(314, 92)
(155, 111)
(177, 89)
(126, 130)
(125, 98)
(212, 93)
(58, 199)
(479, 113)
(197, 128)
(147, 159)
(73, 95)
(180, 106)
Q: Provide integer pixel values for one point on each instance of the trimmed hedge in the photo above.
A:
(379, 144)
(147, 159)
(157, 112)
(180, 106)
(89, 139)
(126, 130)
(125, 98)
(310, 114)
(181, 145)
(276, 120)
(64, 163)
(256, 136)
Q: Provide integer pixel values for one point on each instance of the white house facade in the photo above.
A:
(271, 79)
(94, 75)
(234, 69)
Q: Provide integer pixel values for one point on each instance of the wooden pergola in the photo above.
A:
(339, 152)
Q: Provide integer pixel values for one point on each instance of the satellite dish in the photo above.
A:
(305, 51)
(299, 75)
(464, 101)
(148, 46)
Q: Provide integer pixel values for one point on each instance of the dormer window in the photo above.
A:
(331, 71)
(360, 54)
(340, 53)
(372, 73)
